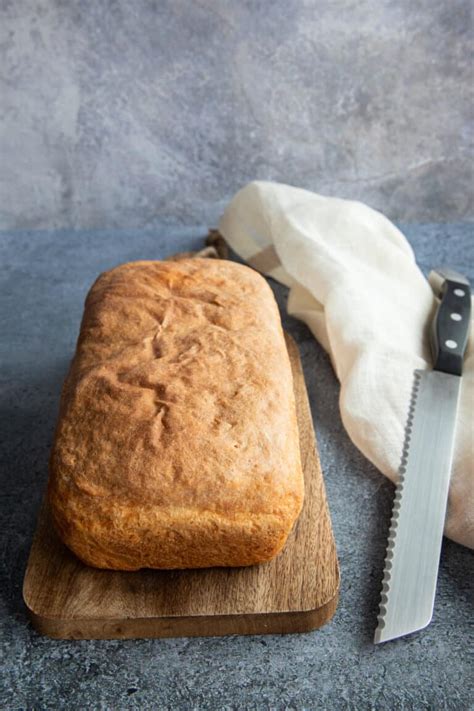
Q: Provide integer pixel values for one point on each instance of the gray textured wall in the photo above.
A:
(126, 113)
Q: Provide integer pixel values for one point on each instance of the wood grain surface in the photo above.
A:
(296, 592)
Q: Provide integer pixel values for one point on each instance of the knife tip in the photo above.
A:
(383, 634)
(378, 636)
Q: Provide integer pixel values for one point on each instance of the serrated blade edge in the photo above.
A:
(392, 533)
(416, 529)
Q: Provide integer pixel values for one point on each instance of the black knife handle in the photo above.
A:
(450, 328)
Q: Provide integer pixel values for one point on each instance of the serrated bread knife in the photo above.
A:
(416, 531)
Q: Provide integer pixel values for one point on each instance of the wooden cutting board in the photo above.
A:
(296, 592)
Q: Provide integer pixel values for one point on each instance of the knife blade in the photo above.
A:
(419, 510)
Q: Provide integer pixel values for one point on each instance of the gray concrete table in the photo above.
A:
(45, 276)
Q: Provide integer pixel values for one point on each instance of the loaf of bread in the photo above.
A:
(177, 442)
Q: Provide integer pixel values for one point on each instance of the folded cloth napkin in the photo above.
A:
(354, 281)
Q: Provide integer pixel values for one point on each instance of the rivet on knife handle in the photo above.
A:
(416, 531)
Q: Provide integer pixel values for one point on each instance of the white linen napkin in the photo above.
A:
(354, 281)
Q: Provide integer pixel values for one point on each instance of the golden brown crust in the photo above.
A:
(177, 443)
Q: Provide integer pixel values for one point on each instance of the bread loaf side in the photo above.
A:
(177, 443)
